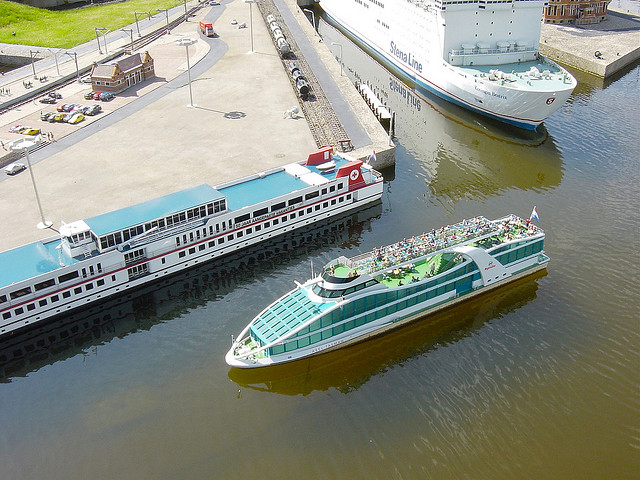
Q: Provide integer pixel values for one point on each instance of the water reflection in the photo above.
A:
(169, 298)
(458, 154)
(348, 369)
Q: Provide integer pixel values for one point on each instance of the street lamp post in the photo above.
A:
(186, 42)
(251, 2)
(32, 54)
(24, 146)
(339, 45)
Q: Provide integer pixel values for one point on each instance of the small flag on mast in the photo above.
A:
(534, 215)
(372, 157)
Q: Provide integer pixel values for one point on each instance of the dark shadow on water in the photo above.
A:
(349, 368)
(163, 300)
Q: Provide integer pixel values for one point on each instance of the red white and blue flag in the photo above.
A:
(372, 157)
(534, 215)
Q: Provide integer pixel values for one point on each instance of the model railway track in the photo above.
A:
(325, 126)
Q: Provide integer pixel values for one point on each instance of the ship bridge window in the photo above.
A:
(311, 195)
(3, 298)
(20, 293)
(78, 237)
(45, 284)
(295, 200)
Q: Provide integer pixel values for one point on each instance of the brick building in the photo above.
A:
(118, 76)
(577, 12)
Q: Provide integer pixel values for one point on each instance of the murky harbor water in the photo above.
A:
(539, 379)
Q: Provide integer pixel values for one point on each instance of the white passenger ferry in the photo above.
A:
(480, 54)
(111, 253)
(355, 299)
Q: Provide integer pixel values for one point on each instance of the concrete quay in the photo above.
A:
(149, 142)
(617, 39)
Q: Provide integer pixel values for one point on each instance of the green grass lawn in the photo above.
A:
(22, 24)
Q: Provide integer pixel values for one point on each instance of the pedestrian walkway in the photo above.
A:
(149, 142)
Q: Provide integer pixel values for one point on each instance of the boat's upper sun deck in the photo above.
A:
(477, 231)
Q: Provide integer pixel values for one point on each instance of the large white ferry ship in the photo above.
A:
(480, 54)
(358, 298)
(98, 257)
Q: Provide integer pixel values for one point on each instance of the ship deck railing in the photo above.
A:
(490, 51)
(476, 229)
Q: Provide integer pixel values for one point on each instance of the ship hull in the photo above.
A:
(522, 108)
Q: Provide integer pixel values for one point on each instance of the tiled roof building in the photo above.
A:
(122, 74)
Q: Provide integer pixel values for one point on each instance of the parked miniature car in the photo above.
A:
(14, 168)
(96, 95)
(60, 107)
(44, 116)
(77, 117)
(57, 117)
(92, 110)
(17, 128)
(30, 131)
(106, 96)
(88, 95)
(47, 99)
(68, 117)
(55, 95)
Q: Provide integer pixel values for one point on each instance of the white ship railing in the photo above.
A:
(490, 51)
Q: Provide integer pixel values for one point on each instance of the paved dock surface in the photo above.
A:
(616, 39)
(149, 142)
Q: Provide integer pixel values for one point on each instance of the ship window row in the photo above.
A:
(462, 270)
(287, 203)
(387, 300)
(43, 302)
(310, 336)
(520, 253)
(198, 234)
(202, 211)
(90, 270)
(325, 293)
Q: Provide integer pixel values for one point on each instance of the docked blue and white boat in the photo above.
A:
(356, 298)
(111, 253)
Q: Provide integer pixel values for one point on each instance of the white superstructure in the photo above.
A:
(111, 253)
(480, 54)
